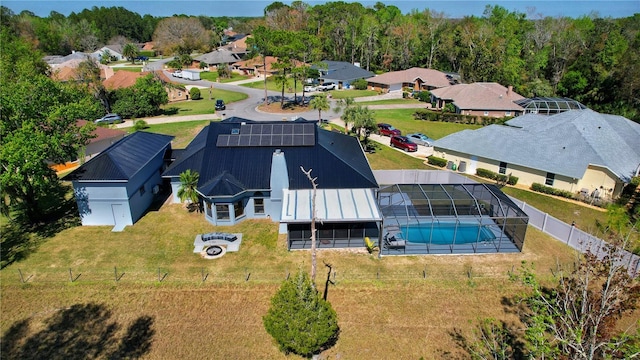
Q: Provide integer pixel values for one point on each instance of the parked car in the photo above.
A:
(402, 142)
(327, 86)
(420, 139)
(177, 73)
(220, 105)
(142, 58)
(109, 119)
(387, 130)
(310, 88)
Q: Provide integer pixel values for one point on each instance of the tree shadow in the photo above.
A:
(490, 339)
(21, 237)
(82, 331)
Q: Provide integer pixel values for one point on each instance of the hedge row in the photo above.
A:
(488, 174)
(551, 191)
(436, 161)
(429, 115)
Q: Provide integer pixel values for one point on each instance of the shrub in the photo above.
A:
(487, 174)
(433, 115)
(436, 161)
(551, 191)
(450, 108)
(501, 178)
(359, 84)
(195, 93)
(140, 125)
(423, 96)
(299, 319)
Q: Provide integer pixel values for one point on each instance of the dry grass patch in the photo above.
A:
(386, 307)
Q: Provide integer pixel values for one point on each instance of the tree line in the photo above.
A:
(590, 59)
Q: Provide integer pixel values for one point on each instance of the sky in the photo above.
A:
(452, 8)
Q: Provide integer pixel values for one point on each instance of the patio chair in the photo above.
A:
(392, 241)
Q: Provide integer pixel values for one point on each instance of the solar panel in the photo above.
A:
(296, 134)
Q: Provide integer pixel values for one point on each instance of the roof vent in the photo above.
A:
(278, 151)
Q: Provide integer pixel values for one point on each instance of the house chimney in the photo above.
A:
(509, 90)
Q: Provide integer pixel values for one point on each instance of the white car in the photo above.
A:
(177, 73)
(327, 86)
(310, 88)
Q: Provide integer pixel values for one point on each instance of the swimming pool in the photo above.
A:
(446, 233)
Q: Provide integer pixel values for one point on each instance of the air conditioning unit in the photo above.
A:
(156, 189)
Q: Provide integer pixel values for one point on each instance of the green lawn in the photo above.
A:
(389, 102)
(403, 120)
(342, 94)
(272, 86)
(204, 105)
(213, 76)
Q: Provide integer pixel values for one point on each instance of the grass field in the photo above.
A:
(185, 315)
(213, 76)
(203, 105)
(403, 120)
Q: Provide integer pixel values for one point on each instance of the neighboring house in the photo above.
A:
(341, 73)
(479, 99)
(238, 46)
(115, 51)
(125, 79)
(252, 170)
(68, 69)
(218, 57)
(256, 66)
(418, 79)
(577, 151)
(102, 138)
(58, 60)
(117, 186)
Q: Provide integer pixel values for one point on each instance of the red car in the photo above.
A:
(403, 142)
(387, 130)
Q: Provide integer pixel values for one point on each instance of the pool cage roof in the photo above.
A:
(449, 219)
(446, 200)
(549, 105)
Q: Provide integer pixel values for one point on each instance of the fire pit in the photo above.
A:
(214, 250)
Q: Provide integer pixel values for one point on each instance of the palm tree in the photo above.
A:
(320, 102)
(188, 186)
(348, 116)
(130, 52)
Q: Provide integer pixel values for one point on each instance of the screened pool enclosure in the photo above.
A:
(449, 219)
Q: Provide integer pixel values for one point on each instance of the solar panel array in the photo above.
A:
(270, 135)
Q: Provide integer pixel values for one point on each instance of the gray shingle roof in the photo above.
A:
(122, 160)
(563, 144)
(344, 71)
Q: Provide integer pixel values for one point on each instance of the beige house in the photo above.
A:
(580, 151)
(415, 78)
(479, 99)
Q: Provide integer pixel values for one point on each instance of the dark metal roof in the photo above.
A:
(344, 71)
(122, 160)
(336, 159)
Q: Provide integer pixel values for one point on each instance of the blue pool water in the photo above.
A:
(444, 233)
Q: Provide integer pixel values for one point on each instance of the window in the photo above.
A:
(503, 167)
(142, 190)
(258, 205)
(549, 180)
(238, 209)
(507, 113)
(222, 211)
(207, 206)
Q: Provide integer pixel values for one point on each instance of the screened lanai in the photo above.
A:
(549, 105)
(449, 219)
